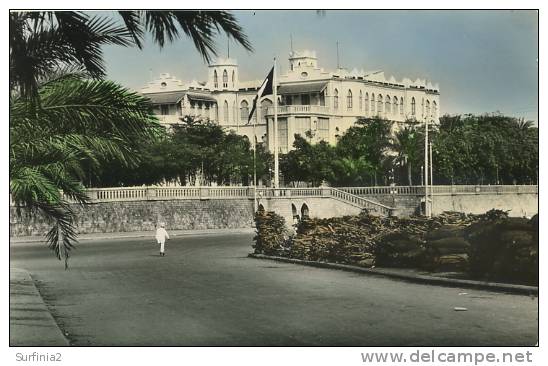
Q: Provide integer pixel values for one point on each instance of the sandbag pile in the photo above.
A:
(488, 246)
(504, 249)
(337, 240)
(271, 233)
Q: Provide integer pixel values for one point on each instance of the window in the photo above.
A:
(379, 105)
(336, 99)
(244, 111)
(434, 109)
(401, 106)
(288, 100)
(360, 101)
(225, 112)
(233, 78)
(372, 103)
(349, 100)
(387, 106)
(366, 102)
(164, 109)
(282, 135)
(413, 107)
(305, 99)
(215, 79)
(427, 108)
(225, 79)
(323, 129)
(322, 98)
(302, 126)
(395, 106)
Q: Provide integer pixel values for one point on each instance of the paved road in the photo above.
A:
(207, 292)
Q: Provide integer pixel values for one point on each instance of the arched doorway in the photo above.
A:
(304, 211)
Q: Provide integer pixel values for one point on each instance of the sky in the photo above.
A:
(484, 61)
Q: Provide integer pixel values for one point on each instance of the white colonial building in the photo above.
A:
(326, 103)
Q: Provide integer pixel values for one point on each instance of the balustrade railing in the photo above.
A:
(351, 194)
(441, 190)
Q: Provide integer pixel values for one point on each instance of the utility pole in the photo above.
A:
(276, 162)
(426, 206)
(431, 181)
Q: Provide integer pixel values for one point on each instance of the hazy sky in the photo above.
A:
(484, 61)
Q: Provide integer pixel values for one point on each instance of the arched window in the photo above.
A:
(387, 106)
(225, 112)
(233, 78)
(427, 108)
(215, 79)
(336, 99)
(395, 106)
(413, 107)
(360, 101)
(225, 79)
(434, 109)
(401, 106)
(349, 100)
(372, 104)
(366, 102)
(379, 105)
(244, 111)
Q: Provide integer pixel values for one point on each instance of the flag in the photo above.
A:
(265, 89)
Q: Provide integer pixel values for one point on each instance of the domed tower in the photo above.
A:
(302, 59)
(223, 75)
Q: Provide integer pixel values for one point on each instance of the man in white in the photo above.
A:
(161, 236)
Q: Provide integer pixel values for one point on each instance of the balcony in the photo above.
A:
(299, 109)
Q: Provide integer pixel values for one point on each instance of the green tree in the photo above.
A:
(368, 139)
(64, 126)
(78, 122)
(408, 143)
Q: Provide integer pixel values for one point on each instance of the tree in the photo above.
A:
(485, 149)
(78, 122)
(409, 146)
(42, 42)
(307, 162)
(368, 139)
(61, 127)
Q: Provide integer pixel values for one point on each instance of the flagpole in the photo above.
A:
(255, 206)
(276, 162)
(426, 169)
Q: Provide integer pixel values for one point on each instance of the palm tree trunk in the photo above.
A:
(409, 175)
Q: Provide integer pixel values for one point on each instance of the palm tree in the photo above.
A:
(64, 123)
(79, 123)
(407, 144)
(42, 42)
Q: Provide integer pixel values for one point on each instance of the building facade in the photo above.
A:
(323, 103)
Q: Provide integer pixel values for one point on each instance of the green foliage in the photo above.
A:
(308, 162)
(79, 126)
(195, 148)
(486, 149)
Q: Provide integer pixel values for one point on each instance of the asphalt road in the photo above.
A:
(206, 292)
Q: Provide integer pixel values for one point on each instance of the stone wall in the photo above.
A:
(144, 215)
(187, 214)
(519, 204)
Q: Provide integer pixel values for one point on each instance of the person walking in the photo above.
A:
(161, 236)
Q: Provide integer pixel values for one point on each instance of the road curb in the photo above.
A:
(31, 322)
(417, 278)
